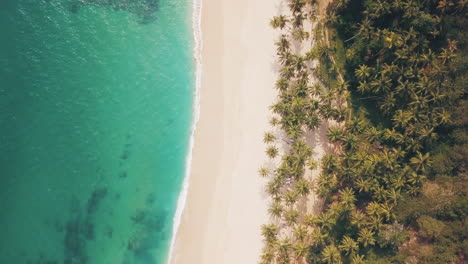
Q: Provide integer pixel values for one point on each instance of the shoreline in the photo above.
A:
(235, 89)
(197, 9)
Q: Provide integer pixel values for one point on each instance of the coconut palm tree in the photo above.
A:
(350, 141)
(375, 222)
(302, 187)
(274, 121)
(282, 84)
(300, 233)
(363, 72)
(373, 208)
(283, 248)
(263, 172)
(300, 249)
(393, 195)
(299, 34)
(402, 118)
(313, 121)
(348, 245)
(268, 255)
(272, 152)
(283, 45)
(318, 236)
(421, 161)
(312, 163)
(326, 220)
(366, 237)
(358, 259)
(279, 22)
(276, 209)
(268, 137)
(347, 198)
(358, 219)
(273, 188)
(335, 134)
(270, 232)
(331, 255)
(295, 6)
(290, 197)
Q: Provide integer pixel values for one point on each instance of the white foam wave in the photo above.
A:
(197, 35)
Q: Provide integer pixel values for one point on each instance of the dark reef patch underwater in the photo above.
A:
(144, 9)
(91, 168)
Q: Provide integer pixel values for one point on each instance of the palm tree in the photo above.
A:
(358, 219)
(326, 220)
(335, 134)
(299, 34)
(386, 210)
(348, 245)
(388, 103)
(295, 6)
(363, 87)
(416, 178)
(312, 164)
(263, 172)
(291, 216)
(283, 45)
(402, 118)
(393, 195)
(331, 18)
(272, 152)
(363, 184)
(447, 55)
(358, 259)
(443, 117)
(372, 134)
(301, 249)
(393, 135)
(274, 121)
(350, 141)
(373, 208)
(318, 237)
(282, 84)
(331, 255)
(421, 162)
(269, 137)
(270, 232)
(290, 197)
(267, 256)
(356, 125)
(276, 209)
(375, 222)
(287, 72)
(300, 233)
(347, 198)
(283, 248)
(366, 237)
(363, 72)
(329, 163)
(313, 121)
(302, 187)
(278, 22)
(273, 188)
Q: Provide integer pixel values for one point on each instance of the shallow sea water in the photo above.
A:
(95, 113)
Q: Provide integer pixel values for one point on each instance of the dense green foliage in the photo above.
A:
(404, 62)
(394, 185)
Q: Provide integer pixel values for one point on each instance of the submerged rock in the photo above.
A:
(95, 199)
(144, 9)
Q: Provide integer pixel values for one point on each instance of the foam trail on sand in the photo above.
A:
(197, 51)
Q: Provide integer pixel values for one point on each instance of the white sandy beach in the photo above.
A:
(226, 204)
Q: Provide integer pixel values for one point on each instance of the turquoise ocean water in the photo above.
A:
(95, 118)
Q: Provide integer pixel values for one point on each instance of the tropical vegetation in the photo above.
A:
(386, 80)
